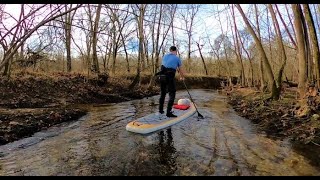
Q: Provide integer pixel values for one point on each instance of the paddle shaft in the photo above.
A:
(191, 98)
(200, 115)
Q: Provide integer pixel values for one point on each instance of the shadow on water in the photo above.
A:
(220, 144)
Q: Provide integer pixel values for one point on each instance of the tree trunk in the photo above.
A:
(308, 50)
(301, 44)
(271, 60)
(114, 58)
(314, 42)
(106, 55)
(126, 53)
(89, 41)
(153, 40)
(204, 64)
(109, 55)
(283, 53)
(237, 47)
(67, 28)
(146, 53)
(95, 40)
(262, 80)
(114, 43)
(6, 68)
(105, 59)
(189, 52)
(157, 40)
(139, 19)
(173, 39)
(89, 44)
(219, 65)
(316, 12)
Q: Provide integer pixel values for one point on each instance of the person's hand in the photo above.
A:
(182, 78)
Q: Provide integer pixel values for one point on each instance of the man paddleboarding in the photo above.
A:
(170, 64)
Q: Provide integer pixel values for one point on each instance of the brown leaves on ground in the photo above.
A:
(60, 89)
(287, 117)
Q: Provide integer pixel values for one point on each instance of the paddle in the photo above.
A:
(199, 115)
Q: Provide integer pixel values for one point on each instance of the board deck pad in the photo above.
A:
(157, 121)
(181, 107)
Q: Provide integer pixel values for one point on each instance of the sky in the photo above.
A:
(206, 24)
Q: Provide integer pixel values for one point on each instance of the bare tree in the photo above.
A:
(17, 42)
(107, 49)
(286, 27)
(314, 42)
(262, 53)
(125, 33)
(249, 56)
(67, 23)
(226, 46)
(262, 80)
(188, 15)
(204, 64)
(290, 22)
(282, 50)
(156, 42)
(119, 18)
(238, 49)
(14, 36)
(174, 7)
(95, 39)
(139, 12)
(165, 29)
(215, 51)
(301, 44)
(165, 14)
(308, 50)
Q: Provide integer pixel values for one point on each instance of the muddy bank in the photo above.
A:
(38, 91)
(280, 119)
(199, 82)
(34, 91)
(20, 123)
(277, 118)
(32, 102)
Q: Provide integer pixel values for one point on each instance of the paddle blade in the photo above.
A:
(200, 115)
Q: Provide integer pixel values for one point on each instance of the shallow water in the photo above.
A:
(98, 144)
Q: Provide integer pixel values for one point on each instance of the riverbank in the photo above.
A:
(32, 102)
(286, 118)
(277, 118)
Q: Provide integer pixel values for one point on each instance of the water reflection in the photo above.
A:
(167, 151)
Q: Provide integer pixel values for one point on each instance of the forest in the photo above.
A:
(264, 57)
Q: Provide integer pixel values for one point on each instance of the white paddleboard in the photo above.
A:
(157, 121)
